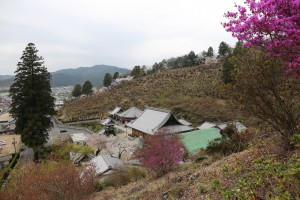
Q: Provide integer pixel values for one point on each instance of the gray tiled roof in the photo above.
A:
(107, 121)
(184, 122)
(116, 110)
(176, 129)
(206, 125)
(104, 163)
(150, 120)
(132, 112)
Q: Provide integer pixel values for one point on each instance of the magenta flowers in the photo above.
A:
(273, 25)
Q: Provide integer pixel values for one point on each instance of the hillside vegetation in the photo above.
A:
(192, 93)
(264, 171)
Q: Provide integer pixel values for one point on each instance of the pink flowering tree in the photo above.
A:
(161, 153)
(273, 25)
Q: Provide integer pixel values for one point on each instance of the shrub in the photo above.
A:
(231, 142)
(50, 181)
(161, 153)
(62, 152)
(120, 177)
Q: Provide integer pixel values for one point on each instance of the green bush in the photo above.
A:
(62, 152)
(120, 177)
(231, 142)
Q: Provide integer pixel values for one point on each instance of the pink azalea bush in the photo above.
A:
(273, 25)
(161, 153)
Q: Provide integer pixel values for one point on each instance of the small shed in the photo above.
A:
(104, 164)
(184, 122)
(129, 115)
(116, 111)
(78, 138)
(239, 126)
(206, 125)
(108, 121)
(199, 139)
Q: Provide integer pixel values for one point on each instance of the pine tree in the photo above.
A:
(224, 49)
(107, 80)
(87, 88)
(116, 75)
(76, 91)
(210, 52)
(32, 104)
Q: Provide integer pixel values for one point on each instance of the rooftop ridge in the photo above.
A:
(158, 109)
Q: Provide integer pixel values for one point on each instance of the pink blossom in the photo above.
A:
(273, 25)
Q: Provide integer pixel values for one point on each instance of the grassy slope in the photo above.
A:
(264, 171)
(192, 93)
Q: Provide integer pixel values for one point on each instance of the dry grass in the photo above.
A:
(219, 178)
(192, 93)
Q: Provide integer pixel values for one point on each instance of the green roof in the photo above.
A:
(199, 139)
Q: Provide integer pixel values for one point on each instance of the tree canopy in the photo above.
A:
(87, 88)
(272, 25)
(224, 49)
(116, 75)
(76, 91)
(210, 52)
(32, 104)
(107, 80)
(264, 91)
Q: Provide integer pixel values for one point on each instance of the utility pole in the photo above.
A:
(14, 143)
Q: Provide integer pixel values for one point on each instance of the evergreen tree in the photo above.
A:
(76, 91)
(192, 59)
(107, 80)
(228, 66)
(224, 49)
(202, 57)
(210, 52)
(87, 88)
(116, 75)
(136, 71)
(32, 104)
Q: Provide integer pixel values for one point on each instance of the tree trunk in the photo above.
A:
(36, 155)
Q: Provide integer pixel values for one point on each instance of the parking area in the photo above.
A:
(8, 147)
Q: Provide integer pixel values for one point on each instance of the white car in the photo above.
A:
(2, 142)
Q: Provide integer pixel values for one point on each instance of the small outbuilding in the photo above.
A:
(129, 115)
(239, 126)
(184, 122)
(78, 138)
(108, 121)
(206, 125)
(105, 164)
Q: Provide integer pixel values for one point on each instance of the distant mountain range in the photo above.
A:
(66, 77)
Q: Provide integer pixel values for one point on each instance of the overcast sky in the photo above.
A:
(124, 33)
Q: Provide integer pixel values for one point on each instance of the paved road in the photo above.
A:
(58, 130)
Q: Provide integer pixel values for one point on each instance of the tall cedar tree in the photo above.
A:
(116, 75)
(224, 49)
(76, 91)
(107, 80)
(210, 52)
(32, 104)
(87, 88)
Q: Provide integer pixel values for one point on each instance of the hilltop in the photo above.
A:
(192, 93)
(66, 77)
